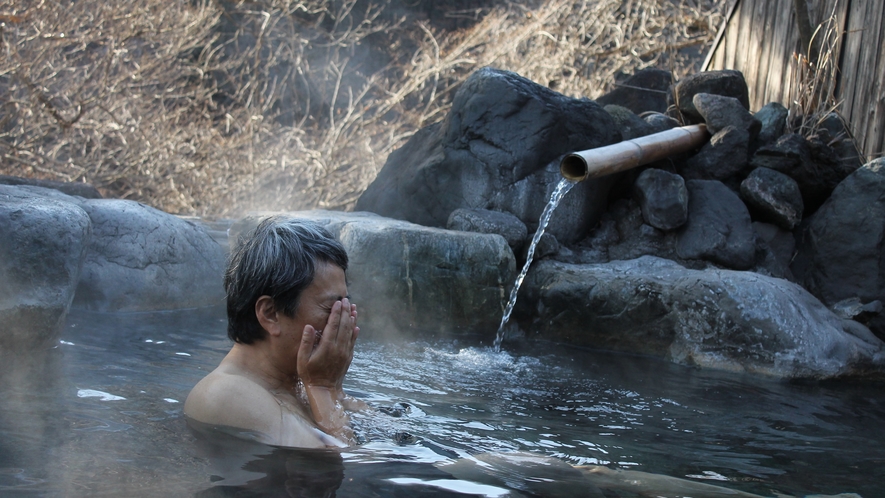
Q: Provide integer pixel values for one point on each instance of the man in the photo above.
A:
(294, 330)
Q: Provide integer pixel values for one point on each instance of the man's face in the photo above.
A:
(315, 303)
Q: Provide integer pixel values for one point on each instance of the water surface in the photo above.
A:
(100, 415)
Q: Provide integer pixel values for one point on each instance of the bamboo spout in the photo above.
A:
(592, 163)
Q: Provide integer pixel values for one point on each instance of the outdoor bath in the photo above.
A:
(100, 415)
(661, 329)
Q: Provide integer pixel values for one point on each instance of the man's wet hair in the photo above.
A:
(277, 259)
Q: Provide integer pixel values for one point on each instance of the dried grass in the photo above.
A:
(814, 77)
(213, 109)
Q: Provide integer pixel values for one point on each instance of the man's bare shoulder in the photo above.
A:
(227, 398)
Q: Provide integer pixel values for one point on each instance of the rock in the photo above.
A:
(720, 112)
(832, 133)
(70, 188)
(623, 234)
(773, 117)
(647, 90)
(849, 155)
(718, 227)
(834, 126)
(630, 125)
(497, 149)
(728, 83)
(660, 122)
(774, 197)
(506, 225)
(840, 252)
(42, 245)
(142, 259)
(723, 158)
(601, 237)
(663, 198)
(411, 279)
(786, 155)
(853, 309)
(719, 319)
(814, 168)
(547, 246)
(774, 250)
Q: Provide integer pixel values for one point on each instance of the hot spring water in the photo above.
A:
(100, 415)
(559, 192)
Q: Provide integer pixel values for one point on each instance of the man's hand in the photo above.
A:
(322, 367)
(324, 363)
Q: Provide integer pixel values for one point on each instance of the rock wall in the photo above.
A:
(59, 250)
(731, 228)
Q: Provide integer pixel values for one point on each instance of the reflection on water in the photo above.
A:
(100, 415)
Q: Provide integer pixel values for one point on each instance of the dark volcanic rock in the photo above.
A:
(630, 125)
(720, 112)
(547, 246)
(42, 245)
(842, 250)
(647, 90)
(723, 158)
(774, 250)
(833, 132)
(722, 319)
(660, 122)
(623, 234)
(774, 196)
(484, 221)
(663, 198)
(773, 117)
(727, 82)
(718, 227)
(853, 309)
(814, 166)
(497, 149)
(70, 188)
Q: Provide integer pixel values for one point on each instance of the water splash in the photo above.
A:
(558, 193)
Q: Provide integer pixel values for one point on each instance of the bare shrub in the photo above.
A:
(96, 91)
(813, 93)
(217, 108)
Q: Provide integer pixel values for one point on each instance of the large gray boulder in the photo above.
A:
(79, 189)
(720, 319)
(497, 149)
(42, 245)
(142, 259)
(410, 278)
(842, 250)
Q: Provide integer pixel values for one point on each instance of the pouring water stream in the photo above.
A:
(558, 193)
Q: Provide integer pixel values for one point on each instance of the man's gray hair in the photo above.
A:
(277, 259)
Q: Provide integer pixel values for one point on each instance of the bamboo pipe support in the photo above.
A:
(592, 163)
